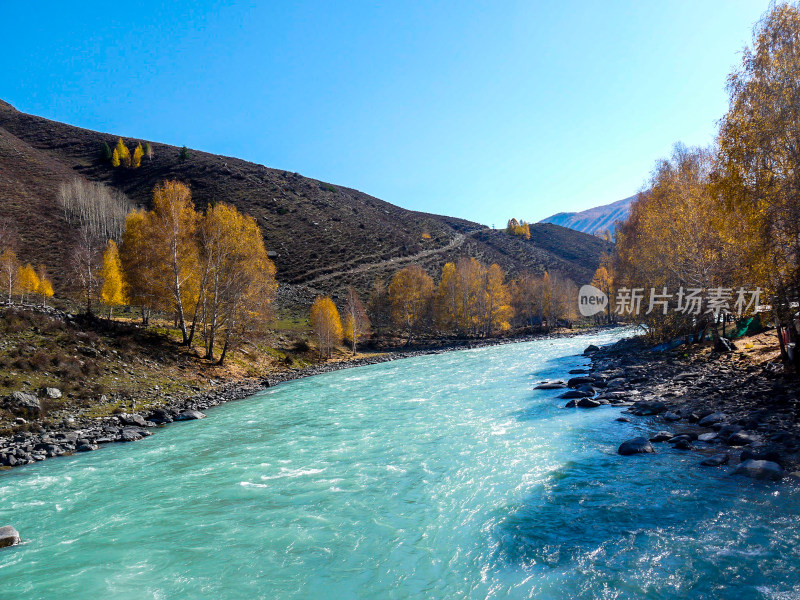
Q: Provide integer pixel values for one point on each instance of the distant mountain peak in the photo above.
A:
(594, 220)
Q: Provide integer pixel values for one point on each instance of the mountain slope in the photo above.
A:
(325, 236)
(596, 219)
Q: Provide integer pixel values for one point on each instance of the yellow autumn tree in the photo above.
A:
(27, 281)
(45, 289)
(115, 161)
(140, 263)
(461, 300)
(138, 153)
(123, 154)
(410, 295)
(112, 292)
(173, 223)
(326, 324)
(497, 310)
(603, 281)
(759, 156)
(235, 278)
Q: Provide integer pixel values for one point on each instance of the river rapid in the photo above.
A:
(441, 476)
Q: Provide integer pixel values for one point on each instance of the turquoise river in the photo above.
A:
(442, 476)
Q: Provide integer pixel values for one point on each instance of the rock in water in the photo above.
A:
(760, 469)
(590, 349)
(575, 394)
(717, 460)
(637, 445)
(135, 420)
(8, 536)
(623, 419)
(662, 436)
(588, 403)
(707, 437)
(671, 416)
(550, 385)
(190, 415)
(578, 381)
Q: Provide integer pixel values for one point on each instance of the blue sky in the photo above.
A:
(482, 110)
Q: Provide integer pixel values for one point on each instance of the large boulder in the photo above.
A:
(22, 402)
(637, 445)
(709, 420)
(740, 439)
(662, 436)
(132, 434)
(760, 469)
(8, 536)
(575, 382)
(717, 460)
(575, 394)
(762, 452)
(591, 348)
(644, 408)
(550, 385)
(588, 403)
(132, 420)
(189, 415)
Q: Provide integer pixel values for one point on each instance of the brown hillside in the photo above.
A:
(325, 236)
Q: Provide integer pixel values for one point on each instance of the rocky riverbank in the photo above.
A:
(736, 409)
(76, 433)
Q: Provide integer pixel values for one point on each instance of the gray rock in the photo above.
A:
(189, 415)
(588, 403)
(717, 460)
(707, 437)
(87, 447)
(637, 445)
(579, 381)
(683, 444)
(132, 434)
(52, 393)
(740, 439)
(8, 536)
(761, 452)
(565, 396)
(671, 416)
(711, 419)
(623, 419)
(24, 402)
(760, 469)
(590, 349)
(571, 404)
(132, 419)
(662, 436)
(550, 385)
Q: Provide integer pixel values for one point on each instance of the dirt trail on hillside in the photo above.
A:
(457, 241)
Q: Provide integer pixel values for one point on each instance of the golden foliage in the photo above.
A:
(112, 291)
(327, 325)
(27, 281)
(410, 294)
(138, 152)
